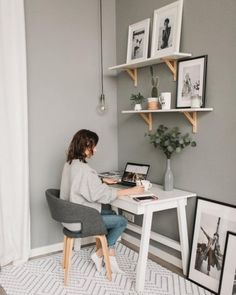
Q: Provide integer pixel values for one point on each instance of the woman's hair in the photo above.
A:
(82, 140)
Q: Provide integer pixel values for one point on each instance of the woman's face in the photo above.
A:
(89, 153)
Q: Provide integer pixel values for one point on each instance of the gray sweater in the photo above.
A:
(81, 184)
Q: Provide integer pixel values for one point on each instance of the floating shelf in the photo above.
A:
(190, 114)
(170, 60)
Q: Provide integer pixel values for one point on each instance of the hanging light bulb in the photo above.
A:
(102, 107)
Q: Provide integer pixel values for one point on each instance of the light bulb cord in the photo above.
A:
(101, 44)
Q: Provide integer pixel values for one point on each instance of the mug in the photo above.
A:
(165, 100)
(146, 184)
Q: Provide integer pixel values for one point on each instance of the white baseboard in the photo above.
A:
(56, 247)
(155, 251)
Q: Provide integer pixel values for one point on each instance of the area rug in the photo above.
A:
(44, 276)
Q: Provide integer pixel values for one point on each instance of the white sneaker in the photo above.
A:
(97, 260)
(114, 265)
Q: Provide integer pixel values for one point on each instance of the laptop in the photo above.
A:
(134, 172)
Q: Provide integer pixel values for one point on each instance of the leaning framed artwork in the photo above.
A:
(167, 29)
(191, 82)
(212, 221)
(137, 49)
(228, 275)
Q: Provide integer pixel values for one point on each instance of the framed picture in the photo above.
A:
(228, 274)
(191, 81)
(167, 29)
(138, 41)
(212, 221)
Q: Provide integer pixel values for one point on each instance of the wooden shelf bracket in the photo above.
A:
(192, 118)
(133, 73)
(148, 119)
(172, 65)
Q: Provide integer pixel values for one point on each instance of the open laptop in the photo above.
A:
(134, 172)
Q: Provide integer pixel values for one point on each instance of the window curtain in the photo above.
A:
(14, 176)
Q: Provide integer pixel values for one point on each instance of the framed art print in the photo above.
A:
(167, 29)
(228, 274)
(212, 221)
(191, 81)
(137, 49)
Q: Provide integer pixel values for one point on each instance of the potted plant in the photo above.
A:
(153, 103)
(196, 99)
(170, 141)
(137, 101)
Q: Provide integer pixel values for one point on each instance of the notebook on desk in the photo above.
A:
(134, 172)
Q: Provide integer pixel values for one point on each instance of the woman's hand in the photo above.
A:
(109, 180)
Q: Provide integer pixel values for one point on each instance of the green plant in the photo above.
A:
(155, 83)
(170, 140)
(137, 98)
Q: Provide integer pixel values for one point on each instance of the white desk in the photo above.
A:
(167, 200)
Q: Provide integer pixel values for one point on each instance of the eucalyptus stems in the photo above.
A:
(170, 140)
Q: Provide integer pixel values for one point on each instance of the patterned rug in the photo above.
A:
(44, 276)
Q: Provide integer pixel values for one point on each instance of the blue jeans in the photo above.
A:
(115, 225)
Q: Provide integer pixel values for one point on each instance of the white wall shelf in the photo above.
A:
(190, 114)
(170, 60)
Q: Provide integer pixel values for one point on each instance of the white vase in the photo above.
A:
(168, 178)
(196, 101)
(137, 107)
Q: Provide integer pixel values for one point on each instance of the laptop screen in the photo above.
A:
(134, 171)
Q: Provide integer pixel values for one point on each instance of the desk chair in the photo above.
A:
(91, 225)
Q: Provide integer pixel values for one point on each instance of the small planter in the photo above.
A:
(196, 101)
(153, 103)
(138, 107)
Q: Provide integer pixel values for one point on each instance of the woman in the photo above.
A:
(81, 184)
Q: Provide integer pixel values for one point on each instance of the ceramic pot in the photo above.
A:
(196, 101)
(137, 107)
(153, 103)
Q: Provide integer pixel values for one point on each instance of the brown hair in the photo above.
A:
(82, 140)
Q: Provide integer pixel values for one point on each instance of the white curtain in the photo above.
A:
(14, 176)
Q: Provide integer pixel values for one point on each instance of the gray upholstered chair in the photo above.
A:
(91, 225)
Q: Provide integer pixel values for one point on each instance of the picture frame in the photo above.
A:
(212, 221)
(166, 32)
(228, 274)
(138, 37)
(191, 82)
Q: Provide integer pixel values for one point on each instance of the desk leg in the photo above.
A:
(183, 233)
(143, 251)
(77, 244)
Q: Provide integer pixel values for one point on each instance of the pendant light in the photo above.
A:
(102, 106)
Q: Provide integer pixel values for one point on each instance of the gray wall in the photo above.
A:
(208, 27)
(63, 53)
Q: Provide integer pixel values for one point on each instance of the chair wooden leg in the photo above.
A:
(64, 253)
(103, 241)
(69, 245)
(98, 244)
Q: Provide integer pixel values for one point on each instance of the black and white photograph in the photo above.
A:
(209, 247)
(191, 81)
(228, 275)
(138, 41)
(212, 221)
(166, 30)
(137, 44)
(165, 33)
